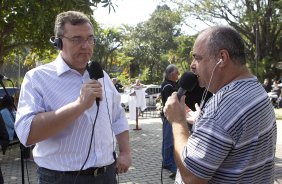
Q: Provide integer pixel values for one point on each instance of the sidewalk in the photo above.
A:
(146, 154)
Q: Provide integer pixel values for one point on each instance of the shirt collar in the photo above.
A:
(61, 65)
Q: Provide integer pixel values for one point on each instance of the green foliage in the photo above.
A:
(29, 24)
(149, 41)
(181, 56)
(106, 50)
(259, 22)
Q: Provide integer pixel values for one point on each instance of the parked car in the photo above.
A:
(152, 92)
(11, 91)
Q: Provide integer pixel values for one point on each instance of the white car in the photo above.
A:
(152, 92)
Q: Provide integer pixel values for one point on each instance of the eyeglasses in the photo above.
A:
(91, 40)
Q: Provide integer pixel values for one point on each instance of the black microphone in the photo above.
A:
(187, 82)
(3, 77)
(95, 71)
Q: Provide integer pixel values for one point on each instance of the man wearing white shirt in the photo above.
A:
(74, 137)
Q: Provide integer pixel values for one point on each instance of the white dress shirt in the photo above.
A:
(48, 88)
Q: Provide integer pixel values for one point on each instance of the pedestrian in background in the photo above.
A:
(267, 85)
(168, 86)
(118, 86)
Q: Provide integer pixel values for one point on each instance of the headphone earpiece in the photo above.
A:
(58, 43)
(220, 61)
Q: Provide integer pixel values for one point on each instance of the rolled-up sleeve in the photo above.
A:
(119, 121)
(30, 103)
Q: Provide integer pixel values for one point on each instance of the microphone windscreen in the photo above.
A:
(95, 70)
(188, 81)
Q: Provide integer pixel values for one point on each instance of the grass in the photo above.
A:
(278, 113)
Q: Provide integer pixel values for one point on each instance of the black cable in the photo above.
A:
(22, 147)
(8, 93)
(114, 153)
(92, 133)
(27, 171)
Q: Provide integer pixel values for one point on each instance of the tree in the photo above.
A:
(150, 41)
(29, 24)
(182, 54)
(258, 21)
(105, 51)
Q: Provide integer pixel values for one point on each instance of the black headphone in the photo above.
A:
(57, 42)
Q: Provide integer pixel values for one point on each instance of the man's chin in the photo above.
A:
(84, 61)
(201, 84)
(85, 56)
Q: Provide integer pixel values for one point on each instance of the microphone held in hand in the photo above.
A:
(95, 71)
(187, 82)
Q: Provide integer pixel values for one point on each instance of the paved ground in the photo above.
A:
(146, 166)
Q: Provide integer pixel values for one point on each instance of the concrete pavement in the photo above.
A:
(146, 153)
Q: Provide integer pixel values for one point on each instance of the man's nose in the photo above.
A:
(85, 45)
(192, 65)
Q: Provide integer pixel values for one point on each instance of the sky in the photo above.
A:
(126, 12)
(130, 12)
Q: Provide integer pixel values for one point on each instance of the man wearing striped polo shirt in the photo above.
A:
(234, 138)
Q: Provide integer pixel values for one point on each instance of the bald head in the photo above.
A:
(224, 37)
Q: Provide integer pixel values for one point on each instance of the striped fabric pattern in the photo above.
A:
(234, 140)
(51, 86)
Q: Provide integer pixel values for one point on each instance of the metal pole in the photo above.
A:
(19, 71)
(137, 128)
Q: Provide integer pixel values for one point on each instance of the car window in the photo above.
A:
(153, 90)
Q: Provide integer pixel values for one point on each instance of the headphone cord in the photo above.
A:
(206, 90)
(114, 152)
(92, 133)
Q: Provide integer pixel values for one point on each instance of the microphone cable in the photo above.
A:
(92, 135)
(13, 116)
(111, 123)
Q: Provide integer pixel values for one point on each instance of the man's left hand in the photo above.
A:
(123, 162)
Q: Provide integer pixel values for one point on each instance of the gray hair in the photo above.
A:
(72, 17)
(225, 37)
(169, 69)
